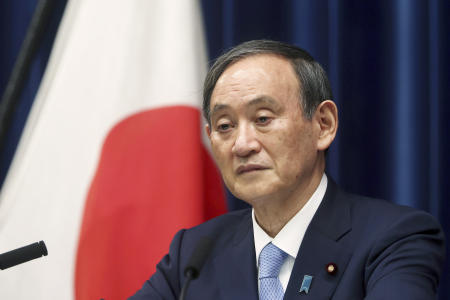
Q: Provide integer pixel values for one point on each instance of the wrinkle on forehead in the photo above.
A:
(243, 72)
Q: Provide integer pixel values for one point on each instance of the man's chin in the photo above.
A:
(252, 194)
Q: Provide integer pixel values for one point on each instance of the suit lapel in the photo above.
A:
(236, 265)
(320, 247)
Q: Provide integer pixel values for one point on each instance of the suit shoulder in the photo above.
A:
(376, 215)
(380, 209)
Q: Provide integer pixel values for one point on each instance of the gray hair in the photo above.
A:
(313, 81)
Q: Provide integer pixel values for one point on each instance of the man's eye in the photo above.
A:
(263, 120)
(223, 127)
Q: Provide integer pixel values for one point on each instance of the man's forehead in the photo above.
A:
(267, 68)
(254, 80)
(259, 62)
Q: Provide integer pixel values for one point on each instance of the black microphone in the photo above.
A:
(21, 255)
(196, 262)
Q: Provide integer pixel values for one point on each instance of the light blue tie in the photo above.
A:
(270, 260)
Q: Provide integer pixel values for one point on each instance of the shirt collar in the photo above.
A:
(291, 235)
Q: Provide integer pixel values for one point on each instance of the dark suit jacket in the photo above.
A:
(382, 251)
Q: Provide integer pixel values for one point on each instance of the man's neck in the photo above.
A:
(273, 214)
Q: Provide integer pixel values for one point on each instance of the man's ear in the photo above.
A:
(326, 116)
(208, 130)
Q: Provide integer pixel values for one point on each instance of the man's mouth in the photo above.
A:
(249, 168)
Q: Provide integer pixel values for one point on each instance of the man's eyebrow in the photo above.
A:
(219, 107)
(260, 100)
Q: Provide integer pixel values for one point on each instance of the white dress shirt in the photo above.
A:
(291, 235)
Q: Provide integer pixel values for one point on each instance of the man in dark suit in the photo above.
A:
(270, 121)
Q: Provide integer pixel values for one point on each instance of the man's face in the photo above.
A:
(264, 147)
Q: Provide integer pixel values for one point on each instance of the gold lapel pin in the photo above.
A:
(331, 268)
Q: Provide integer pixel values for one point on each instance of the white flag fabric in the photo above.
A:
(112, 61)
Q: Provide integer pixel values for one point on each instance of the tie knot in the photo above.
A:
(270, 260)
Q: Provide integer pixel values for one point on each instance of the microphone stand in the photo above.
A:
(189, 276)
(196, 262)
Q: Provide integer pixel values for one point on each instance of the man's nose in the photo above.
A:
(246, 141)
